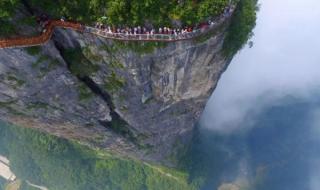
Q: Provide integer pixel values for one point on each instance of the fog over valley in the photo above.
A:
(269, 99)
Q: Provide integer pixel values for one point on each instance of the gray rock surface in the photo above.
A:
(161, 96)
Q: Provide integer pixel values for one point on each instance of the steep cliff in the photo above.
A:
(136, 99)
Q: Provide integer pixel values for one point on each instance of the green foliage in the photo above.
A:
(9, 106)
(18, 82)
(90, 55)
(8, 22)
(122, 128)
(241, 26)
(6, 28)
(42, 58)
(7, 8)
(115, 64)
(38, 105)
(209, 7)
(79, 64)
(133, 12)
(140, 47)
(84, 92)
(33, 50)
(30, 21)
(192, 12)
(60, 164)
(114, 83)
(44, 62)
(52, 64)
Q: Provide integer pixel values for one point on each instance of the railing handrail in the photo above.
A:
(45, 36)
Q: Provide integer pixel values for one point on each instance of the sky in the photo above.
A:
(284, 62)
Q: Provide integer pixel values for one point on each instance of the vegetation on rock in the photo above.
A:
(242, 24)
(133, 12)
(78, 63)
(7, 10)
(61, 164)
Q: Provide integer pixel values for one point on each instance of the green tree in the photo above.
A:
(7, 8)
(242, 24)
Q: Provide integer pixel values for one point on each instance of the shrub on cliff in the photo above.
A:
(7, 8)
(242, 24)
(133, 12)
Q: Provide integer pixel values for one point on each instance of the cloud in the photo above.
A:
(284, 62)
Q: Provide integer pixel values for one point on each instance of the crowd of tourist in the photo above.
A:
(149, 31)
(43, 20)
(138, 30)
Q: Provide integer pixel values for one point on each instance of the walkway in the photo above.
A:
(39, 40)
(46, 35)
(155, 37)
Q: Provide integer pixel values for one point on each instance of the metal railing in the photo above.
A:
(41, 39)
(45, 36)
(142, 37)
(159, 37)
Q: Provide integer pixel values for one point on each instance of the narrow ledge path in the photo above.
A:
(49, 29)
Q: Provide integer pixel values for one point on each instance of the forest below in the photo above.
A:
(62, 164)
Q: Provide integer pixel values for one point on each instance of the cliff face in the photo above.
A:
(132, 101)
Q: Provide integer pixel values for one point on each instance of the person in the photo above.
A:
(161, 30)
(134, 30)
(45, 23)
(169, 31)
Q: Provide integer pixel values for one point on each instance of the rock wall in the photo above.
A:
(141, 103)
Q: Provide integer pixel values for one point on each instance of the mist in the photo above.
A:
(270, 92)
(284, 62)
